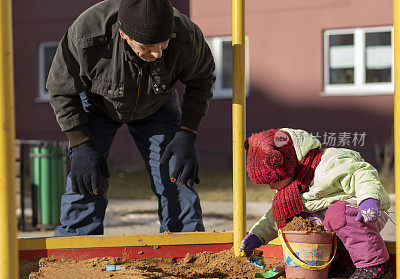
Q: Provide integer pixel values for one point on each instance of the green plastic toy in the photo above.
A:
(269, 274)
(275, 273)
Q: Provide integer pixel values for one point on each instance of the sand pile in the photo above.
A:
(203, 265)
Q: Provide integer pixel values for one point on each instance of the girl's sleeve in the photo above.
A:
(364, 183)
(348, 172)
(265, 228)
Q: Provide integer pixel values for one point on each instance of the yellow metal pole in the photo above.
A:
(8, 220)
(396, 24)
(238, 123)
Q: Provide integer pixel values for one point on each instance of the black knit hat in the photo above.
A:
(146, 21)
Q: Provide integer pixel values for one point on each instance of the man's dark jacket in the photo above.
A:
(93, 58)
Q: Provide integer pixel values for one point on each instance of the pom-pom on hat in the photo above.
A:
(146, 21)
(270, 156)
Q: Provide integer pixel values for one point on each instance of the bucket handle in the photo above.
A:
(298, 261)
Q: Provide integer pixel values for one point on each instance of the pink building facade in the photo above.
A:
(323, 66)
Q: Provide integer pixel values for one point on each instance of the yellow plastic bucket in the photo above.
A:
(307, 254)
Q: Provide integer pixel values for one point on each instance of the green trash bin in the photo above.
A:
(48, 177)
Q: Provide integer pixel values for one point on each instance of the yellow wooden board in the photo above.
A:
(102, 241)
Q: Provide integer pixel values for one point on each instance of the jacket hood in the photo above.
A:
(302, 141)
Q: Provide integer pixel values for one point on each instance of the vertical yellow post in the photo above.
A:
(396, 24)
(238, 123)
(8, 220)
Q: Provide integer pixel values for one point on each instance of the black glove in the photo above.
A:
(186, 167)
(87, 164)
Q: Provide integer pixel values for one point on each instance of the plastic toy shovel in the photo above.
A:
(275, 273)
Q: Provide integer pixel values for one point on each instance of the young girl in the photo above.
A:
(333, 185)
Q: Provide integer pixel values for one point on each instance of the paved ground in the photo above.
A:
(140, 217)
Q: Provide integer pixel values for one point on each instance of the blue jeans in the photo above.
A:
(179, 207)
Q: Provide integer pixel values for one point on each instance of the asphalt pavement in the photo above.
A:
(140, 217)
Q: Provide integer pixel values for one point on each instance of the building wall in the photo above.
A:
(286, 68)
(33, 23)
(286, 72)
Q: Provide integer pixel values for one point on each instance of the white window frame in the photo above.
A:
(359, 88)
(43, 95)
(218, 90)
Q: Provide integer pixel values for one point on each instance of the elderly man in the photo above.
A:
(117, 64)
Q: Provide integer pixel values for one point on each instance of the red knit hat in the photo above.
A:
(270, 156)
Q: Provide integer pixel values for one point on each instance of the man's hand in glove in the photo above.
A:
(87, 165)
(186, 165)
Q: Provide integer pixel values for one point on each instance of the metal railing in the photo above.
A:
(44, 165)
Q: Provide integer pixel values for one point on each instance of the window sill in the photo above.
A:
(39, 100)
(353, 94)
(225, 94)
(370, 90)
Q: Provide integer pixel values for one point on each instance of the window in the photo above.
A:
(47, 50)
(358, 61)
(221, 48)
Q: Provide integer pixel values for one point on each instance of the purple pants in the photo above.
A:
(363, 240)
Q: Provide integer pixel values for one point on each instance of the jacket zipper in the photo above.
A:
(138, 92)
